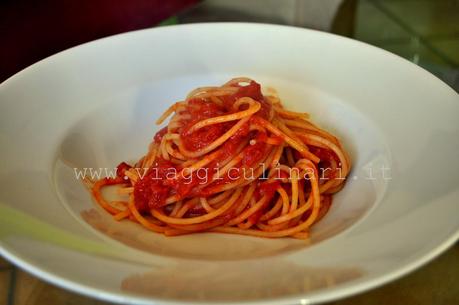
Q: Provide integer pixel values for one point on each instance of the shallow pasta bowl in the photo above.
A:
(94, 105)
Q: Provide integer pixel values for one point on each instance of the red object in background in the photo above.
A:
(33, 30)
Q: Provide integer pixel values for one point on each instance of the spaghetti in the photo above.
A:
(231, 160)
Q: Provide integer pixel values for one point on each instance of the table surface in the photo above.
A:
(434, 284)
(425, 32)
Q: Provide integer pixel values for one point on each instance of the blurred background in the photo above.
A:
(425, 32)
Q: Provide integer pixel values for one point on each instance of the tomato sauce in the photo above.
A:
(268, 188)
(152, 190)
(323, 154)
(254, 153)
(325, 157)
(160, 134)
(252, 90)
(121, 169)
(199, 110)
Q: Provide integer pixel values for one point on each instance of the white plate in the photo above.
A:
(94, 106)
